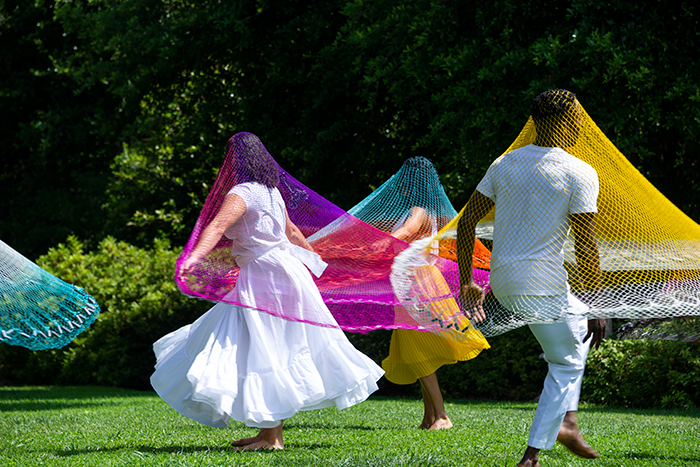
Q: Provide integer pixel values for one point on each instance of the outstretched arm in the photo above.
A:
(472, 295)
(412, 225)
(231, 210)
(294, 234)
(588, 260)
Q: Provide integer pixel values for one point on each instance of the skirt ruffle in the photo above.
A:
(241, 364)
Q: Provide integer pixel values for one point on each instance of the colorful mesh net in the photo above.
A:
(355, 284)
(637, 258)
(38, 310)
(412, 205)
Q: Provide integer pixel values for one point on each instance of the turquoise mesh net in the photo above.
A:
(38, 310)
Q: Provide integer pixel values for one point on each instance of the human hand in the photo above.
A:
(472, 297)
(596, 332)
(382, 244)
(186, 267)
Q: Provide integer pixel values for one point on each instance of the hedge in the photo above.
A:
(140, 303)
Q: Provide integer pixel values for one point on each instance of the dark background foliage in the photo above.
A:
(115, 114)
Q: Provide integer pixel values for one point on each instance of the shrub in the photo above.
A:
(632, 373)
(139, 303)
(644, 373)
(509, 370)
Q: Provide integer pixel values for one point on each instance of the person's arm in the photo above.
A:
(588, 260)
(412, 225)
(406, 232)
(294, 234)
(231, 210)
(472, 295)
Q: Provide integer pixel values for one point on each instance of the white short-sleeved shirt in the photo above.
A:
(534, 190)
(262, 226)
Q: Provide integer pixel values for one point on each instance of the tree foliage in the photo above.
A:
(139, 304)
(463, 74)
(123, 131)
(53, 170)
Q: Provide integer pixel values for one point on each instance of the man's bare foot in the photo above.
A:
(247, 441)
(570, 437)
(441, 424)
(531, 458)
(574, 442)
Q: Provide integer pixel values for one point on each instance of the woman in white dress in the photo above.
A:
(236, 362)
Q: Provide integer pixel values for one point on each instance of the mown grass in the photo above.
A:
(94, 426)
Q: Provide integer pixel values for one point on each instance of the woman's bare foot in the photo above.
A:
(268, 438)
(260, 445)
(442, 423)
(247, 441)
(434, 416)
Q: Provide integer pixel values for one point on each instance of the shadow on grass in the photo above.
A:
(68, 392)
(35, 399)
(324, 425)
(692, 413)
(66, 397)
(226, 448)
(584, 407)
(640, 456)
(50, 405)
(145, 450)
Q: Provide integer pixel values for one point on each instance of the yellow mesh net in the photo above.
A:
(564, 212)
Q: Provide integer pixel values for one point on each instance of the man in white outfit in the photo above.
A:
(540, 193)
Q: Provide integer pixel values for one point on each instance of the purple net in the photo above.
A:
(355, 285)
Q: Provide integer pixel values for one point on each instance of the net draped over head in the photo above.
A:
(38, 310)
(416, 184)
(415, 194)
(355, 285)
(649, 250)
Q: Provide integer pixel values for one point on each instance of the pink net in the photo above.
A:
(355, 285)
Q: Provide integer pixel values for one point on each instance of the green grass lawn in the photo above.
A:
(93, 426)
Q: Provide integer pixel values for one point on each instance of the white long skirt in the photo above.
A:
(246, 365)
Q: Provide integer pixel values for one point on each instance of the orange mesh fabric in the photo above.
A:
(481, 257)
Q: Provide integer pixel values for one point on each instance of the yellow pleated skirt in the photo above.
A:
(415, 354)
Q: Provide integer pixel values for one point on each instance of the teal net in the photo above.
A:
(414, 194)
(38, 310)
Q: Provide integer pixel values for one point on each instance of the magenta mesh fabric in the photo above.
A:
(355, 285)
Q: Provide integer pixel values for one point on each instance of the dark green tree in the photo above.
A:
(51, 178)
(119, 110)
(471, 69)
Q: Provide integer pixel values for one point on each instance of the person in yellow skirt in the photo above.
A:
(412, 205)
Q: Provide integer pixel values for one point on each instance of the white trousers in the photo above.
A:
(565, 353)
